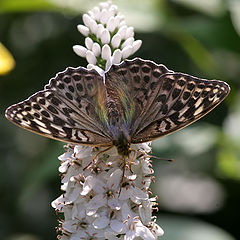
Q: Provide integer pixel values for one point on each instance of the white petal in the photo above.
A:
(114, 180)
(63, 167)
(117, 56)
(76, 236)
(113, 203)
(82, 152)
(91, 14)
(105, 37)
(108, 64)
(144, 232)
(122, 31)
(98, 69)
(116, 226)
(104, 16)
(125, 194)
(80, 50)
(111, 24)
(73, 193)
(96, 49)
(136, 195)
(91, 57)
(127, 42)
(96, 12)
(115, 7)
(101, 222)
(121, 17)
(122, 23)
(103, 5)
(116, 40)
(127, 51)
(100, 29)
(117, 21)
(106, 52)
(126, 211)
(87, 20)
(88, 43)
(111, 12)
(145, 211)
(131, 235)
(58, 203)
(83, 30)
(94, 26)
(129, 32)
(136, 45)
(70, 226)
(88, 185)
(97, 202)
(109, 234)
(157, 230)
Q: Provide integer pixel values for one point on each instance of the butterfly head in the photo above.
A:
(122, 143)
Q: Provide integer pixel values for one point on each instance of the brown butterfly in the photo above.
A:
(135, 102)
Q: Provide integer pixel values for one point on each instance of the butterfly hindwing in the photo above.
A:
(65, 110)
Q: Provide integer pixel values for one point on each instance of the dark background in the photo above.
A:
(199, 193)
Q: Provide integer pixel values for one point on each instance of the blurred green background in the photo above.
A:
(199, 194)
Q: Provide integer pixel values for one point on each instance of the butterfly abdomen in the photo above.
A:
(122, 143)
(113, 113)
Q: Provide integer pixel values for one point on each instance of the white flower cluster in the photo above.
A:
(103, 202)
(109, 198)
(108, 39)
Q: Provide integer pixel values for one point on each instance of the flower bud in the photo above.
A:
(111, 24)
(88, 43)
(127, 42)
(96, 49)
(116, 40)
(91, 57)
(105, 37)
(127, 51)
(106, 52)
(80, 50)
(136, 45)
(83, 30)
(117, 56)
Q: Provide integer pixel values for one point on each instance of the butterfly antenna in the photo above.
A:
(165, 159)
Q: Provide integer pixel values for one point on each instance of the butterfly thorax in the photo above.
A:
(122, 143)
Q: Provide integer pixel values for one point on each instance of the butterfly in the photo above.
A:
(135, 101)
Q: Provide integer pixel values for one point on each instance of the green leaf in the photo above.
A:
(25, 5)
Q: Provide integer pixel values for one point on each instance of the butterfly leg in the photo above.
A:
(131, 160)
(95, 157)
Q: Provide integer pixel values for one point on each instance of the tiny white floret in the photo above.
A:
(80, 50)
(96, 49)
(83, 29)
(117, 56)
(89, 43)
(116, 40)
(91, 57)
(127, 42)
(106, 52)
(127, 51)
(105, 37)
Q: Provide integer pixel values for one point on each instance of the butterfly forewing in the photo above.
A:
(66, 109)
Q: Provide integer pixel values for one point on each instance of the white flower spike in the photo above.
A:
(104, 25)
(99, 200)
